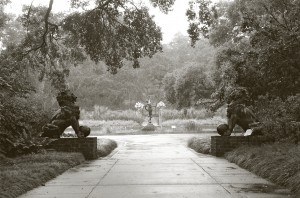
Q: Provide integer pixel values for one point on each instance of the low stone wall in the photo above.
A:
(222, 144)
(87, 146)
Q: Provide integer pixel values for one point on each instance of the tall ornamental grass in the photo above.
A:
(195, 124)
(279, 162)
(21, 174)
(200, 145)
(104, 113)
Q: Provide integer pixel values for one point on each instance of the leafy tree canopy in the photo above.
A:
(259, 44)
(112, 31)
(186, 86)
(3, 16)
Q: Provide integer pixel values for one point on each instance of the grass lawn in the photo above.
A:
(21, 174)
(279, 162)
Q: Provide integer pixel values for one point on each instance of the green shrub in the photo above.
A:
(190, 126)
(21, 121)
(200, 145)
(23, 115)
(106, 130)
(105, 146)
(281, 118)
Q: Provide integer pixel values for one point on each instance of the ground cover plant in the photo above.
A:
(21, 174)
(200, 145)
(282, 168)
(105, 146)
(277, 162)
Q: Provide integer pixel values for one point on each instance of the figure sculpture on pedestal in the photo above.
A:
(149, 126)
(66, 116)
(148, 108)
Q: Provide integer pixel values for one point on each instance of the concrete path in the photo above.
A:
(157, 166)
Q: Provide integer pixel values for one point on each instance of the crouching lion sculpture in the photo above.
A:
(239, 114)
(66, 116)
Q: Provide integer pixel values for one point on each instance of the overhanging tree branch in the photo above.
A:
(272, 15)
(47, 23)
(46, 31)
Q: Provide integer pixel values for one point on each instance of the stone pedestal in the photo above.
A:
(149, 127)
(222, 144)
(87, 146)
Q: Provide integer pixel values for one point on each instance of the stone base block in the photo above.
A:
(222, 144)
(149, 127)
(87, 146)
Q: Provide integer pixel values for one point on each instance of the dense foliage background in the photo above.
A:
(95, 86)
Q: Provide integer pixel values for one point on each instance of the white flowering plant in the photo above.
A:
(160, 105)
(139, 105)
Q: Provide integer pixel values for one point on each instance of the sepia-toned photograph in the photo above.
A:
(149, 98)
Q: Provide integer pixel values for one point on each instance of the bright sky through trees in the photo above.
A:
(171, 23)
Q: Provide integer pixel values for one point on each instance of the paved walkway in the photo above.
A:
(157, 166)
